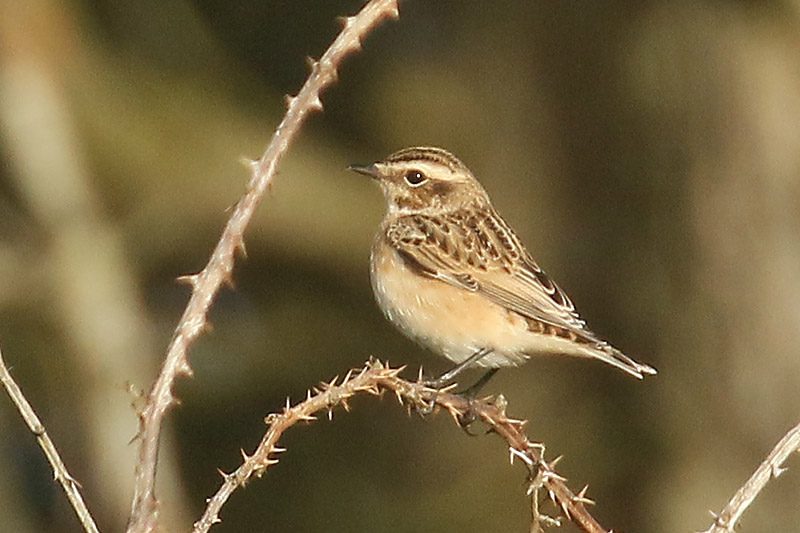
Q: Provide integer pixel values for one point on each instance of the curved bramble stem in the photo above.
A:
(374, 379)
(772, 467)
(218, 271)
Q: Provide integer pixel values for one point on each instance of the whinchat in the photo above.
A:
(451, 273)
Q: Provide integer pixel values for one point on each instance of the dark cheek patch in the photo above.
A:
(441, 188)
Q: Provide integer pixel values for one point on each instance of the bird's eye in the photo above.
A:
(415, 178)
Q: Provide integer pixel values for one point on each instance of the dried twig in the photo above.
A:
(375, 378)
(208, 282)
(772, 467)
(70, 485)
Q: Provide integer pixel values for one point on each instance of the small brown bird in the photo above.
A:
(451, 273)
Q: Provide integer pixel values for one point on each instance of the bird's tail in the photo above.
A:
(616, 358)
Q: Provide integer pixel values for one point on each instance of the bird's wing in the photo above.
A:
(480, 253)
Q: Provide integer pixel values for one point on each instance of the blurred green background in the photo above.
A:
(647, 152)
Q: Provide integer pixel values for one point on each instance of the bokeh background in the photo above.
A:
(647, 152)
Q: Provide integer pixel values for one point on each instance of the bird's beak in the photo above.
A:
(367, 170)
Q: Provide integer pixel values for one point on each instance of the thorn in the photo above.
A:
(306, 418)
(308, 394)
(227, 280)
(329, 385)
(288, 404)
(330, 415)
(245, 457)
(394, 10)
(277, 449)
(288, 99)
(555, 461)
(312, 63)
(549, 521)
(548, 475)
(371, 389)
(523, 456)
(777, 470)
(188, 279)
(315, 104)
(184, 368)
(347, 22)
(581, 497)
(345, 405)
(241, 248)
(455, 413)
(347, 376)
(449, 388)
(251, 164)
(356, 46)
(565, 510)
(69, 479)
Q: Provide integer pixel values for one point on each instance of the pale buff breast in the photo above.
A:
(449, 320)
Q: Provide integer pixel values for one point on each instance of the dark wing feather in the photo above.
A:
(480, 253)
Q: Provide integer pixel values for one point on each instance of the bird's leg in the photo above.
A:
(448, 376)
(472, 391)
(466, 419)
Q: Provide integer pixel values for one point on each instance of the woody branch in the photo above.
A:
(374, 379)
(68, 483)
(207, 283)
(771, 467)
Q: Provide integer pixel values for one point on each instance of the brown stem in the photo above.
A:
(375, 378)
(772, 467)
(68, 483)
(207, 283)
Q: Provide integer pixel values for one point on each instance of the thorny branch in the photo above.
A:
(207, 283)
(70, 485)
(375, 378)
(772, 467)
